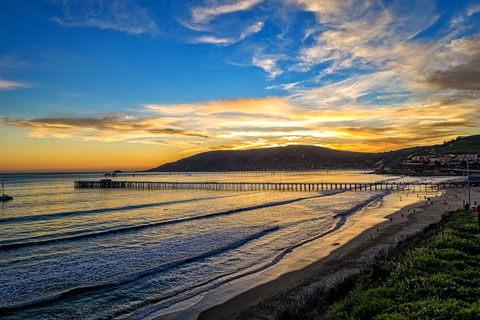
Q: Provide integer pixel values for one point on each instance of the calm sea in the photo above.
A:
(67, 253)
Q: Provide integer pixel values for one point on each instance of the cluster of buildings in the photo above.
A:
(444, 159)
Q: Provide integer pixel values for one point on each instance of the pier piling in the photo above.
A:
(253, 186)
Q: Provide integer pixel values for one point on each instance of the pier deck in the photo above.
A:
(280, 186)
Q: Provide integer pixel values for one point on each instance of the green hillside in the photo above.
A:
(300, 157)
(438, 279)
(469, 144)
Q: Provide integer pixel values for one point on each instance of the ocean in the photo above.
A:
(70, 253)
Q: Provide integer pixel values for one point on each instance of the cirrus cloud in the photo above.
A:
(10, 84)
(121, 15)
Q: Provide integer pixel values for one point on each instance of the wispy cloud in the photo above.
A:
(10, 61)
(248, 31)
(213, 40)
(254, 28)
(473, 10)
(10, 84)
(457, 66)
(284, 86)
(268, 64)
(115, 127)
(211, 23)
(121, 15)
(206, 14)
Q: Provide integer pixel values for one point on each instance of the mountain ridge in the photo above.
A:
(307, 157)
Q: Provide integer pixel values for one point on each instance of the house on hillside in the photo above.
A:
(444, 159)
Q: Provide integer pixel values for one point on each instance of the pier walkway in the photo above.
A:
(242, 173)
(280, 186)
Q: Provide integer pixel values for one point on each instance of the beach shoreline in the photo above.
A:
(349, 250)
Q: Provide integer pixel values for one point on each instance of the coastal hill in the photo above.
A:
(461, 145)
(295, 157)
(302, 157)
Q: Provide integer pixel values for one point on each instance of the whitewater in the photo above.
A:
(112, 253)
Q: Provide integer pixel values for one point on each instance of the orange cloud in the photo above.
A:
(272, 121)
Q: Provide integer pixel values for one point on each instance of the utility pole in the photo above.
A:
(468, 184)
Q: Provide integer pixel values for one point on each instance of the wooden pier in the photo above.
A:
(244, 173)
(254, 186)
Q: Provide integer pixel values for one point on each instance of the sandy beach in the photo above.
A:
(324, 262)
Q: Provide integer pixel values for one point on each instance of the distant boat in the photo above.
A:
(4, 197)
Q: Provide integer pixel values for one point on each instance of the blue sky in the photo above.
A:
(180, 77)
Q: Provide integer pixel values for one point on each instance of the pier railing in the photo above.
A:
(252, 186)
(244, 173)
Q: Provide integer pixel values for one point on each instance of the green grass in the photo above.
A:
(469, 144)
(437, 279)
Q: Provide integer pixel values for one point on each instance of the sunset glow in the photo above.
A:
(107, 85)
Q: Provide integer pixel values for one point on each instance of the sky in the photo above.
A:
(119, 84)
